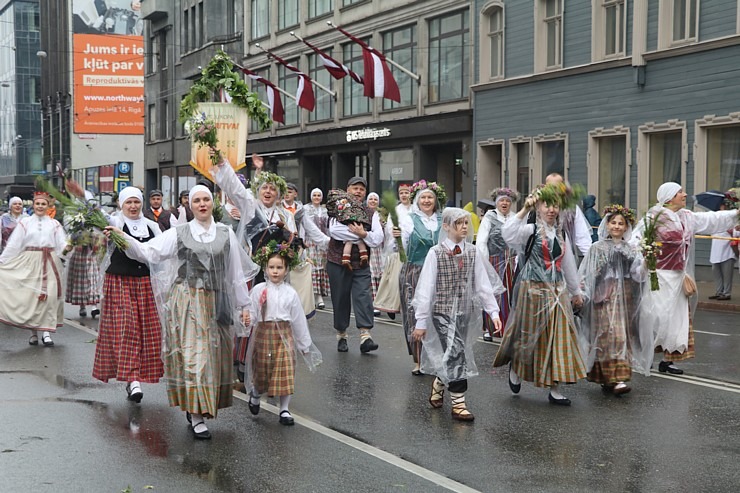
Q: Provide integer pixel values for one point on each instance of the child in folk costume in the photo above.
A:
(83, 269)
(455, 285)
(492, 246)
(129, 346)
(345, 209)
(280, 332)
(611, 275)
(31, 266)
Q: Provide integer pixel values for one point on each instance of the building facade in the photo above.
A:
(20, 87)
(428, 134)
(618, 95)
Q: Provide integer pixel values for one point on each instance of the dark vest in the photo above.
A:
(122, 265)
(164, 218)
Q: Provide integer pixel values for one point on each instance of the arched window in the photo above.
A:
(492, 41)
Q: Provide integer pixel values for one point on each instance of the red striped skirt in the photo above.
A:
(129, 343)
(83, 277)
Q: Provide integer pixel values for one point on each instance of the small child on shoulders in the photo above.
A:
(346, 209)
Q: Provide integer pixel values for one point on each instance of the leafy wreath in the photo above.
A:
(283, 249)
(220, 74)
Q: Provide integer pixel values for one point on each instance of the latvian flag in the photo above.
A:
(304, 96)
(378, 79)
(274, 102)
(336, 69)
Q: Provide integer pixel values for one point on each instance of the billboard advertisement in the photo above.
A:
(108, 64)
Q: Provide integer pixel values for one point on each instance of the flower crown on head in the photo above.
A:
(268, 177)
(40, 194)
(433, 186)
(627, 213)
(508, 192)
(283, 249)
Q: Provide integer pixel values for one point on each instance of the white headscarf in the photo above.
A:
(197, 189)
(667, 191)
(604, 234)
(415, 207)
(137, 227)
(13, 200)
(373, 194)
(317, 190)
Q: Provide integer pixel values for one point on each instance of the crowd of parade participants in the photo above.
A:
(216, 292)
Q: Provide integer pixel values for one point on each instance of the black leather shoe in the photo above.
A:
(714, 297)
(342, 345)
(94, 313)
(204, 434)
(253, 408)
(559, 402)
(391, 315)
(286, 418)
(368, 345)
(487, 337)
(134, 394)
(515, 388)
(669, 367)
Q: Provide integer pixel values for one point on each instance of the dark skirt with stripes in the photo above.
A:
(407, 286)
(271, 358)
(129, 345)
(83, 277)
(504, 267)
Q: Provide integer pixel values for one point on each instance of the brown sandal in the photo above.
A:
(459, 408)
(438, 392)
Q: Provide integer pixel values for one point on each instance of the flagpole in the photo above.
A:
(403, 69)
(275, 87)
(320, 86)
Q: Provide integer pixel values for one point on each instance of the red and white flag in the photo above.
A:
(336, 69)
(378, 79)
(304, 95)
(274, 102)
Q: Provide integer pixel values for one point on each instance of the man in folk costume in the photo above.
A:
(155, 212)
(183, 214)
(575, 225)
(352, 287)
(669, 310)
(290, 202)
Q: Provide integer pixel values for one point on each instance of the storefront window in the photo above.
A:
(167, 187)
(395, 166)
(185, 181)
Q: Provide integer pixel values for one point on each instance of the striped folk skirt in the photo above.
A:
(83, 277)
(198, 353)
(676, 355)
(407, 286)
(33, 296)
(504, 267)
(319, 278)
(388, 298)
(129, 345)
(540, 339)
(376, 268)
(271, 358)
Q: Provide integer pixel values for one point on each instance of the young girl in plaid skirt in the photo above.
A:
(280, 332)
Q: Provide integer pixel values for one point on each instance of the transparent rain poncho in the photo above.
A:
(199, 276)
(612, 341)
(492, 246)
(452, 292)
(279, 334)
(540, 338)
(668, 311)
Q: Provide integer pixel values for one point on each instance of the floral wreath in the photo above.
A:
(438, 190)
(616, 209)
(267, 177)
(508, 192)
(283, 249)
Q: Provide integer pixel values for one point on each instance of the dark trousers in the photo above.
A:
(460, 386)
(350, 288)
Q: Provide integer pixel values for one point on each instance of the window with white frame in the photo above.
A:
(519, 172)
(548, 34)
(723, 157)
(609, 158)
(662, 154)
(679, 20)
(665, 159)
(260, 18)
(551, 157)
(610, 29)
(492, 41)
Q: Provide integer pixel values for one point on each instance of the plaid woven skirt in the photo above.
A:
(540, 339)
(407, 286)
(271, 358)
(319, 278)
(129, 343)
(197, 353)
(612, 344)
(504, 267)
(677, 356)
(83, 277)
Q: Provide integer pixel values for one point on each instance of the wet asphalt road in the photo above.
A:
(364, 425)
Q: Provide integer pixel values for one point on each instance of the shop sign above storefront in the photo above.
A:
(368, 134)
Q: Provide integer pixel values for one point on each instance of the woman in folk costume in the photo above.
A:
(129, 346)
(456, 284)
(316, 213)
(31, 266)
(10, 220)
(202, 297)
(540, 341)
(388, 297)
(83, 271)
(419, 232)
(669, 311)
(611, 275)
(376, 256)
(279, 334)
(492, 246)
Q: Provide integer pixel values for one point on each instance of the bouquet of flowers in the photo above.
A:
(389, 204)
(81, 215)
(561, 194)
(203, 132)
(650, 247)
(732, 199)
